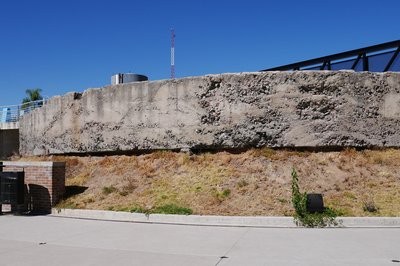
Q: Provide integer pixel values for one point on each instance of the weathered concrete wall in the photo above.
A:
(9, 142)
(275, 109)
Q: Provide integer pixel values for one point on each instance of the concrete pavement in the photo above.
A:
(45, 240)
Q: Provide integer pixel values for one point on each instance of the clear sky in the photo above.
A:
(61, 46)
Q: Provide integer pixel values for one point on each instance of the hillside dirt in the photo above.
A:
(254, 182)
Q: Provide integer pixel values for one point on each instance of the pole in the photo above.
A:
(172, 53)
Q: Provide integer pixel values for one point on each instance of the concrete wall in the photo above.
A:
(274, 109)
(9, 142)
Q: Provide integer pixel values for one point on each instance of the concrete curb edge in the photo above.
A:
(208, 220)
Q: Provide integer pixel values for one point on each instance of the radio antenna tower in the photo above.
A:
(172, 53)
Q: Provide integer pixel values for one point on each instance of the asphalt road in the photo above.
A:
(44, 240)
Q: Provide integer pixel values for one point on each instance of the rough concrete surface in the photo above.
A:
(274, 109)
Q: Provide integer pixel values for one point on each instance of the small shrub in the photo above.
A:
(282, 200)
(137, 210)
(222, 195)
(172, 209)
(323, 219)
(131, 184)
(89, 200)
(242, 183)
(108, 190)
(226, 193)
(124, 193)
(369, 206)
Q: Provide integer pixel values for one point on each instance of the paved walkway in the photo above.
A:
(44, 240)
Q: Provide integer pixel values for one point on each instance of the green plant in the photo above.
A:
(370, 206)
(172, 209)
(124, 193)
(130, 185)
(108, 190)
(302, 216)
(242, 183)
(137, 210)
(282, 200)
(299, 200)
(222, 195)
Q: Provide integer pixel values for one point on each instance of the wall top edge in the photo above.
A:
(26, 164)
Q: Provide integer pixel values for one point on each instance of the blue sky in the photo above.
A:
(61, 46)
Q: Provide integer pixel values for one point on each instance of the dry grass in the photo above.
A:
(256, 182)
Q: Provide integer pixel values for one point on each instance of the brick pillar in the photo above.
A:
(45, 183)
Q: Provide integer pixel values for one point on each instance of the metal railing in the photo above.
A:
(12, 113)
(378, 58)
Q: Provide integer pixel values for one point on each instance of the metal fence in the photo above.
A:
(12, 113)
(378, 58)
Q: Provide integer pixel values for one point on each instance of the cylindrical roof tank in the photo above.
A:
(127, 77)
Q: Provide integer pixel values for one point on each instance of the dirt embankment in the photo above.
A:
(255, 182)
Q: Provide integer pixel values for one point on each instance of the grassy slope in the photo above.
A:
(256, 182)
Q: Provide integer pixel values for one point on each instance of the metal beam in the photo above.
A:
(356, 62)
(365, 62)
(392, 60)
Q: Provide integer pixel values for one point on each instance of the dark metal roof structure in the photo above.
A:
(377, 58)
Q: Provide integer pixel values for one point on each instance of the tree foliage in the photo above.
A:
(33, 95)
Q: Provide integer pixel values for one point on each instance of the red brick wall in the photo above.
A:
(45, 183)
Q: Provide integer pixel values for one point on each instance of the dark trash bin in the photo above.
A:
(315, 203)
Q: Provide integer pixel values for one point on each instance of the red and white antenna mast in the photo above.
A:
(172, 53)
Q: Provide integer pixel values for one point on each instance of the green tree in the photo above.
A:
(33, 99)
(33, 95)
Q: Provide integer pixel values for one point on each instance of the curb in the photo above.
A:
(226, 221)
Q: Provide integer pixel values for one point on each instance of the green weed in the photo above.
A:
(302, 216)
(108, 190)
(172, 209)
(242, 183)
(222, 195)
